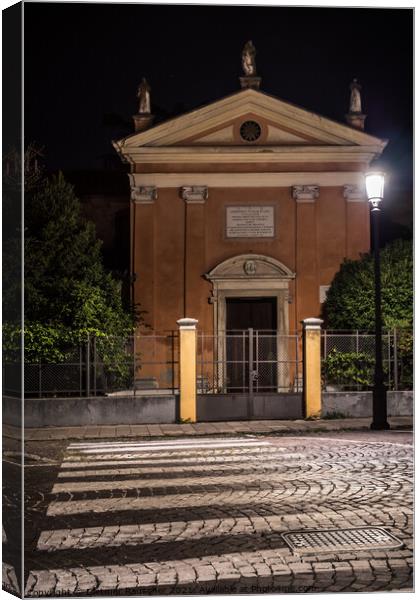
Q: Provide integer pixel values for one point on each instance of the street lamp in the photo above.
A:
(375, 192)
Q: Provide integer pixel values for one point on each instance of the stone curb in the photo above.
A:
(180, 430)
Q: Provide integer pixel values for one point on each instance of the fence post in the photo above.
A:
(312, 367)
(134, 363)
(395, 361)
(40, 379)
(87, 366)
(188, 369)
(94, 366)
(80, 368)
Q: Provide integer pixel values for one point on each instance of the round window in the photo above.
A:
(250, 131)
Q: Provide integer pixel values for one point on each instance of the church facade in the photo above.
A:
(243, 210)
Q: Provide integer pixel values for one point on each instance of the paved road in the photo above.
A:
(200, 516)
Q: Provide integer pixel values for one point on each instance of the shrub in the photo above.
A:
(348, 369)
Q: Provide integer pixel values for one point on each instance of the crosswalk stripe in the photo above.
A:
(153, 500)
(178, 456)
(180, 443)
(168, 446)
(182, 463)
(202, 499)
(130, 484)
(125, 467)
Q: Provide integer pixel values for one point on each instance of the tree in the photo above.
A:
(350, 302)
(68, 294)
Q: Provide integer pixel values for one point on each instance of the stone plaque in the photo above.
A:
(250, 221)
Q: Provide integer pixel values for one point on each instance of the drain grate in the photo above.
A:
(338, 540)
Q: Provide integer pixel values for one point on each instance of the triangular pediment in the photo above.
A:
(216, 124)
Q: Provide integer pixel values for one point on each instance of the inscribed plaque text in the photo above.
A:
(250, 221)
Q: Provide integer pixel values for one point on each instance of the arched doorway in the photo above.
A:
(251, 324)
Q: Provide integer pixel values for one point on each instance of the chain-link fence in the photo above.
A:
(234, 362)
(248, 361)
(102, 365)
(348, 359)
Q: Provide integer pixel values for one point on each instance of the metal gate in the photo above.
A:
(248, 367)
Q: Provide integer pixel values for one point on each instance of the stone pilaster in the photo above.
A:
(357, 221)
(307, 272)
(143, 251)
(196, 288)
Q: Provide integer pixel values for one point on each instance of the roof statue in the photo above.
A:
(144, 118)
(355, 118)
(355, 99)
(143, 94)
(248, 60)
(250, 78)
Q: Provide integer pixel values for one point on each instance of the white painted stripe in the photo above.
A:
(168, 444)
(181, 442)
(192, 467)
(139, 448)
(172, 456)
(132, 484)
(183, 463)
(204, 500)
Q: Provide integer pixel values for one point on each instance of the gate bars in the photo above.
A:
(248, 361)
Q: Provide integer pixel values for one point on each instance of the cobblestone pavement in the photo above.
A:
(206, 516)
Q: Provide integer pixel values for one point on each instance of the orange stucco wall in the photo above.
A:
(176, 243)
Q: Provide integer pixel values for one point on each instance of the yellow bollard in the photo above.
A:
(312, 367)
(187, 369)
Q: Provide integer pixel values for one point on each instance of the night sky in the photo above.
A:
(83, 64)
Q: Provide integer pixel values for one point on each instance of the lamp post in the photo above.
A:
(375, 193)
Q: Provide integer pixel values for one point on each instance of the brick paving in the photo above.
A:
(206, 516)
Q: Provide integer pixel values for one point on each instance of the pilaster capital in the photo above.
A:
(353, 193)
(194, 194)
(305, 193)
(143, 194)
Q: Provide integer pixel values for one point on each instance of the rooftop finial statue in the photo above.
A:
(355, 99)
(248, 59)
(143, 94)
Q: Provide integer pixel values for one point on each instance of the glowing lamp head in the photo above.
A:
(375, 182)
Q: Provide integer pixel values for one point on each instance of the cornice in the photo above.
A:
(251, 155)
